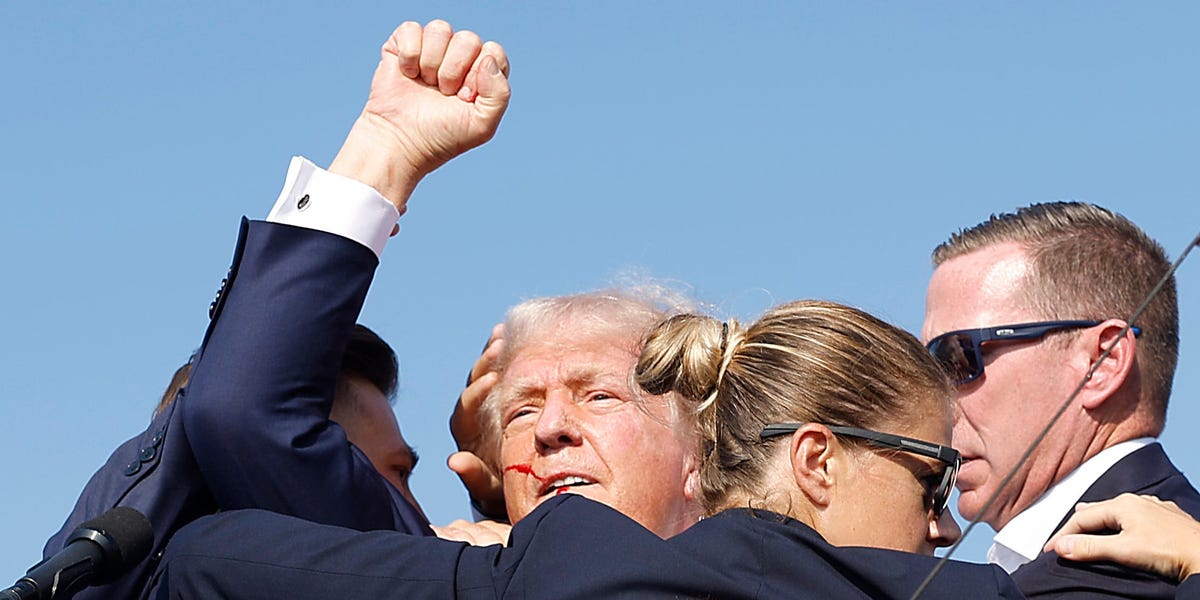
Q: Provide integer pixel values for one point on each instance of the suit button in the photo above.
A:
(147, 453)
(157, 439)
(133, 467)
(212, 308)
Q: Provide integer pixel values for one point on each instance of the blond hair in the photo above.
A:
(806, 361)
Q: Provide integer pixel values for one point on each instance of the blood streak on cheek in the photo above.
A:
(526, 469)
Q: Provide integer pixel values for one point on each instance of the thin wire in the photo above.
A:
(1061, 410)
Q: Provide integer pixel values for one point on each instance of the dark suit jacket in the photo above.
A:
(251, 429)
(1146, 471)
(569, 547)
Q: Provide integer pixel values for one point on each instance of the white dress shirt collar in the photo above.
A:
(1022, 538)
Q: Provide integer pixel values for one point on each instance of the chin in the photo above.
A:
(970, 503)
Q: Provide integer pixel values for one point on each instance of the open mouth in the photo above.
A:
(564, 483)
(551, 484)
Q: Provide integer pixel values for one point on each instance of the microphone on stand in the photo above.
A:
(98, 551)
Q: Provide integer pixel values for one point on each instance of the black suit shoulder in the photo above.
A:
(779, 557)
(1145, 471)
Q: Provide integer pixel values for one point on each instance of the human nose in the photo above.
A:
(943, 530)
(556, 425)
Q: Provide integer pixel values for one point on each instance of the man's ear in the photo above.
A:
(816, 462)
(691, 480)
(1115, 370)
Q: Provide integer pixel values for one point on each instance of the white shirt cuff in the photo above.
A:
(317, 199)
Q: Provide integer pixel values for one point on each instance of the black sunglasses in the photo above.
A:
(961, 352)
(939, 496)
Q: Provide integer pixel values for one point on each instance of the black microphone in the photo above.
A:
(98, 551)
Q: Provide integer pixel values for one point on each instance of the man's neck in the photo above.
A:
(1024, 535)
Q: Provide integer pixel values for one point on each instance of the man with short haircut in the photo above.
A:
(362, 405)
(1019, 308)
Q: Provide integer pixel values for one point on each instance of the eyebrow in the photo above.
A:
(573, 377)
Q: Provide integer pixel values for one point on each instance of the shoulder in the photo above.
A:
(782, 555)
(1146, 471)
(1052, 577)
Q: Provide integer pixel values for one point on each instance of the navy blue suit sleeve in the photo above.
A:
(154, 474)
(252, 554)
(1189, 589)
(261, 389)
(567, 548)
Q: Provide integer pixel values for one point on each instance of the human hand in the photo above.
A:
(1152, 535)
(436, 94)
(482, 533)
(476, 463)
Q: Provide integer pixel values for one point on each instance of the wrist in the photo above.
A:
(377, 158)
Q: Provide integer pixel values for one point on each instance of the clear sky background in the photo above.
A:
(759, 152)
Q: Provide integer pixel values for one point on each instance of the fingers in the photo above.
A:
(1091, 518)
(460, 55)
(483, 533)
(414, 119)
(456, 63)
(1150, 535)
(406, 45)
(482, 482)
(1090, 547)
(490, 81)
(479, 479)
(497, 531)
(497, 52)
(1076, 539)
(491, 352)
(434, 41)
(464, 422)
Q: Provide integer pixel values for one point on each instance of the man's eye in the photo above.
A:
(518, 414)
(600, 397)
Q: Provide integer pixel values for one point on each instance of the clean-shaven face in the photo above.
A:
(999, 414)
(571, 423)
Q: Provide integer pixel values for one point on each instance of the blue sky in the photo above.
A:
(757, 153)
